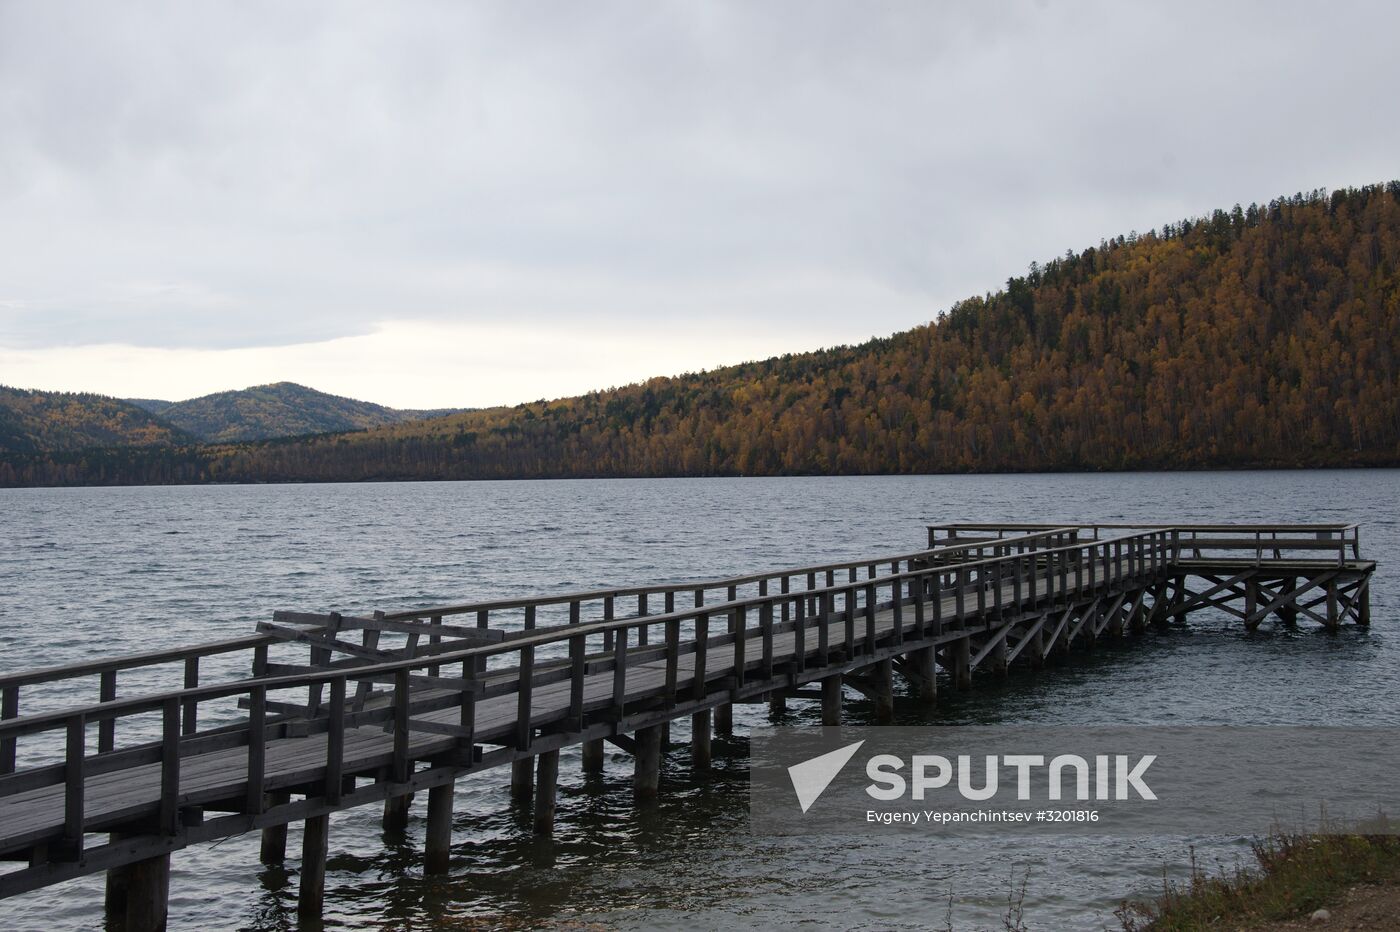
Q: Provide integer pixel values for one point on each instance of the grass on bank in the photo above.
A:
(1294, 875)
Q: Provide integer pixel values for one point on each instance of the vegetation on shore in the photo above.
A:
(1260, 336)
(1293, 876)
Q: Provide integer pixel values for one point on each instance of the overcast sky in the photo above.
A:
(459, 204)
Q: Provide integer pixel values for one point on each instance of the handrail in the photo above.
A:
(17, 727)
(663, 588)
(36, 675)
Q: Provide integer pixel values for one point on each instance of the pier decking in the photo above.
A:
(340, 711)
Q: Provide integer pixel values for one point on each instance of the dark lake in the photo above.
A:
(90, 572)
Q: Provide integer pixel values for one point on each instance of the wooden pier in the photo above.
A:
(338, 711)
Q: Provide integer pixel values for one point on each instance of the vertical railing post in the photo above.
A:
(702, 652)
(870, 632)
(170, 768)
(619, 683)
(190, 723)
(673, 659)
(401, 765)
(897, 611)
(849, 618)
(739, 623)
(578, 674)
(257, 750)
(524, 701)
(335, 741)
(74, 779)
(9, 708)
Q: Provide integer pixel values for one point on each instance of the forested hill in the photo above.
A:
(283, 409)
(33, 422)
(1259, 336)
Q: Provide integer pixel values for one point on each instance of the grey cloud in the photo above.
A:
(211, 174)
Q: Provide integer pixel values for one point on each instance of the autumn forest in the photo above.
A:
(1258, 336)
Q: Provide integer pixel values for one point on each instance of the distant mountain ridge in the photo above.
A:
(281, 409)
(43, 422)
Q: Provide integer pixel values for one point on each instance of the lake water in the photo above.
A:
(91, 572)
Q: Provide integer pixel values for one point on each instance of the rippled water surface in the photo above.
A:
(88, 572)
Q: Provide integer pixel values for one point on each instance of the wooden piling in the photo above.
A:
(593, 756)
(1288, 611)
(924, 673)
(1034, 650)
(646, 780)
(882, 677)
(724, 719)
(315, 845)
(961, 654)
(437, 853)
(777, 704)
(396, 813)
(831, 700)
(274, 838)
(546, 792)
(700, 755)
(1363, 604)
(148, 894)
(117, 883)
(522, 779)
(996, 659)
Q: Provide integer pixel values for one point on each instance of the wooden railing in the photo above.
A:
(825, 622)
(1266, 541)
(510, 615)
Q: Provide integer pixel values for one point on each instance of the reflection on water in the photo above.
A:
(124, 569)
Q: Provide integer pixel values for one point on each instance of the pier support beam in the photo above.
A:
(996, 659)
(724, 719)
(1179, 616)
(959, 654)
(1363, 604)
(396, 814)
(923, 673)
(438, 843)
(646, 780)
(777, 704)
(117, 883)
(546, 792)
(1034, 650)
(274, 837)
(147, 894)
(1288, 611)
(1137, 623)
(315, 844)
(522, 779)
(593, 756)
(882, 678)
(700, 740)
(831, 700)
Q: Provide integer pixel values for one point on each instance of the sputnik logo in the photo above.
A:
(811, 777)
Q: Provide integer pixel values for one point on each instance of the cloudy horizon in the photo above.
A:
(459, 205)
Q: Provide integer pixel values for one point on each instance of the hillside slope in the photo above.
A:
(1258, 337)
(282, 409)
(35, 421)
